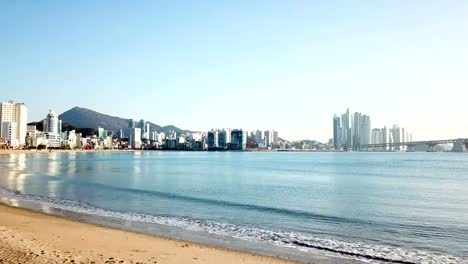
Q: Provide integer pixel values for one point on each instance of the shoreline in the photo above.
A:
(43, 151)
(34, 237)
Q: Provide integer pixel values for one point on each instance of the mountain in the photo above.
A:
(85, 118)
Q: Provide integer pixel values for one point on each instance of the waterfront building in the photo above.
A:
(9, 134)
(70, 140)
(222, 143)
(259, 138)
(17, 113)
(141, 125)
(238, 140)
(198, 145)
(153, 135)
(224, 138)
(387, 138)
(147, 130)
(199, 136)
(228, 136)
(395, 135)
(121, 134)
(135, 138)
(171, 143)
(79, 140)
(171, 134)
(53, 129)
(275, 138)
(337, 132)
(31, 130)
(351, 131)
(213, 139)
(181, 140)
(108, 143)
(269, 138)
(102, 133)
(361, 130)
(347, 131)
(161, 137)
(132, 124)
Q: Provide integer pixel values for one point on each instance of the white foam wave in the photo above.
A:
(362, 251)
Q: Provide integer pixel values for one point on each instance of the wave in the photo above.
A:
(306, 215)
(222, 203)
(300, 241)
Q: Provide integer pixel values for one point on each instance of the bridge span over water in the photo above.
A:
(459, 145)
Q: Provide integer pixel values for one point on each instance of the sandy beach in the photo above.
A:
(32, 237)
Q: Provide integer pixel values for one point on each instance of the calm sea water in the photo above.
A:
(375, 207)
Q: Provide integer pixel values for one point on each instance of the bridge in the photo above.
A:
(459, 145)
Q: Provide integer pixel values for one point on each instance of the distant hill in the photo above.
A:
(79, 117)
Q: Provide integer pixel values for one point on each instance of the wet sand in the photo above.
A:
(32, 237)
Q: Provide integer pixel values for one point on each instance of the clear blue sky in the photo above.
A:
(285, 65)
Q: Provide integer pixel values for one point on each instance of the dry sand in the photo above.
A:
(32, 237)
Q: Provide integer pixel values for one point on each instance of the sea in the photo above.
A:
(353, 207)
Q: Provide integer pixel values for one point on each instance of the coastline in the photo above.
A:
(33, 151)
(34, 237)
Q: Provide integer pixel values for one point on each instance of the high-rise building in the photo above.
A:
(238, 140)
(135, 138)
(228, 136)
(153, 135)
(347, 131)
(147, 131)
(387, 139)
(161, 137)
(9, 133)
(269, 138)
(361, 130)
(213, 139)
(51, 123)
(337, 133)
(259, 138)
(131, 124)
(351, 131)
(222, 139)
(53, 129)
(17, 113)
(275, 138)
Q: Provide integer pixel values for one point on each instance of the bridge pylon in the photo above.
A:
(460, 145)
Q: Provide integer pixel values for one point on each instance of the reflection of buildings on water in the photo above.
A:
(53, 164)
(16, 173)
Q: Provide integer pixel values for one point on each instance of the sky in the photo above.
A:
(283, 65)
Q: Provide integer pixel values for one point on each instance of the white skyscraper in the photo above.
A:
(53, 129)
(269, 138)
(147, 131)
(17, 113)
(351, 131)
(135, 138)
(347, 130)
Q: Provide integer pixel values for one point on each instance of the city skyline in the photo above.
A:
(351, 118)
(289, 65)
